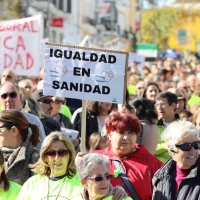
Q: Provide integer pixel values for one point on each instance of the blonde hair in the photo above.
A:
(42, 168)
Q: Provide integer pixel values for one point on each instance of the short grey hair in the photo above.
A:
(86, 162)
(176, 131)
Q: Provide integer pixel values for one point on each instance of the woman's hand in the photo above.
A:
(78, 156)
(75, 142)
(119, 193)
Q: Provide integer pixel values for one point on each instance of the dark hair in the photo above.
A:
(149, 84)
(3, 176)
(92, 108)
(171, 97)
(144, 109)
(187, 112)
(122, 122)
(16, 118)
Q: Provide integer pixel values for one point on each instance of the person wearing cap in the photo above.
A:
(44, 102)
(10, 98)
(181, 96)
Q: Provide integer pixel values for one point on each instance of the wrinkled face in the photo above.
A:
(7, 75)
(186, 159)
(97, 190)
(163, 109)
(140, 88)
(26, 85)
(185, 85)
(57, 164)
(45, 106)
(122, 143)
(152, 92)
(13, 98)
(57, 103)
(6, 136)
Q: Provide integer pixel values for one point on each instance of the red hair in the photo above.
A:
(122, 122)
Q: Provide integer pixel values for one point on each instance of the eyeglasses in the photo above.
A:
(3, 126)
(162, 105)
(100, 178)
(46, 101)
(11, 95)
(61, 153)
(188, 146)
(58, 101)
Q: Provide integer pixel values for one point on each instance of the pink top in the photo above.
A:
(180, 175)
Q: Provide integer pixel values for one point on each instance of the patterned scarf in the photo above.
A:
(10, 155)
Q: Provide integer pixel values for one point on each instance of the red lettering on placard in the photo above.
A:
(16, 26)
(20, 43)
(2, 28)
(29, 61)
(5, 43)
(32, 28)
(18, 62)
(25, 26)
(6, 59)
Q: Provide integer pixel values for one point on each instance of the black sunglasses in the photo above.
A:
(188, 146)
(11, 95)
(58, 101)
(46, 101)
(100, 178)
(61, 153)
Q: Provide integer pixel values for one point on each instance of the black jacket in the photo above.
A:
(164, 183)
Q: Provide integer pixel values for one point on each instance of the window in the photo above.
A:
(60, 5)
(54, 36)
(61, 38)
(69, 5)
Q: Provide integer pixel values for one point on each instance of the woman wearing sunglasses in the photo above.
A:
(94, 173)
(18, 144)
(8, 189)
(179, 176)
(55, 171)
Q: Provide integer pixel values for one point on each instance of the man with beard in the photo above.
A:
(45, 104)
(165, 106)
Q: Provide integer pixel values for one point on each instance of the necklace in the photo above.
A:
(58, 191)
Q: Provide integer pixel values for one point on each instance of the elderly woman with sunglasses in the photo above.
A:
(94, 173)
(179, 176)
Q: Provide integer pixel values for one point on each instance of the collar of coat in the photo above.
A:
(161, 123)
(169, 167)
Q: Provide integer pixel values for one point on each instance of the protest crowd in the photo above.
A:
(94, 126)
(152, 140)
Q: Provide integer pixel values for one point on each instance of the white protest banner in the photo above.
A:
(136, 57)
(19, 45)
(85, 73)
